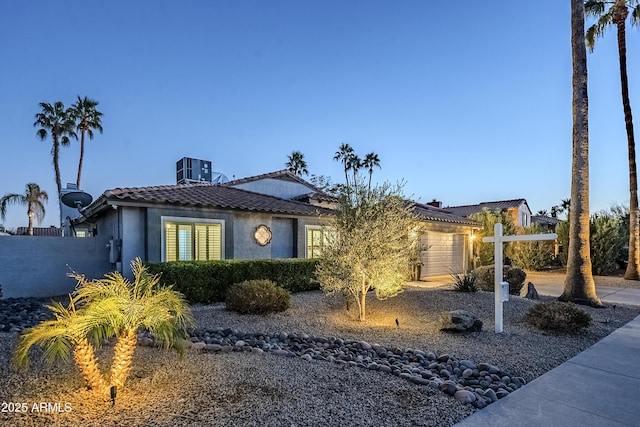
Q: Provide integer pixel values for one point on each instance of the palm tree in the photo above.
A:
(370, 161)
(617, 15)
(88, 118)
(296, 163)
(345, 155)
(69, 330)
(33, 198)
(579, 286)
(130, 306)
(354, 163)
(59, 122)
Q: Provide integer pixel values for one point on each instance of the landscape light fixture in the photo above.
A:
(113, 391)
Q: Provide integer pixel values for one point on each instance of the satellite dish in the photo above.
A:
(76, 199)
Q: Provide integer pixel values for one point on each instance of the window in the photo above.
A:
(317, 238)
(184, 240)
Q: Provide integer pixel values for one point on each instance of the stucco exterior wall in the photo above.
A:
(38, 266)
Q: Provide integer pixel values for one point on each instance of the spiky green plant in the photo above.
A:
(130, 306)
(71, 329)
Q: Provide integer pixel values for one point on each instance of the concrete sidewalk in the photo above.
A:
(599, 387)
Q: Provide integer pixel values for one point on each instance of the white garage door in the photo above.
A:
(445, 252)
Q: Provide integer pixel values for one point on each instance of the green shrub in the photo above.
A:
(208, 281)
(464, 282)
(485, 277)
(558, 317)
(533, 255)
(607, 242)
(257, 297)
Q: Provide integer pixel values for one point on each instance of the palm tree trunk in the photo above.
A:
(30, 225)
(84, 356)
(81, 159)
(579, 286)
(620, 15)
(123, 357)
(56, 162)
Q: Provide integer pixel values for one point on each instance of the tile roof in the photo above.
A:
(204, 195)
(466, 210)
(432, 213)
(40, 231)
(544, 220)
(284, 174)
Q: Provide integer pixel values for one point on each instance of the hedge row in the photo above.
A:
(207, 281)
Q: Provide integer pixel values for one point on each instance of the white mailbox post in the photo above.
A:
(498, 239)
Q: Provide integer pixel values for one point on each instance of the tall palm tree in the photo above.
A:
(345, 155)
(88, 118)
(579, 286)
(59, 122)
(354, 163)
(69, 330)
(617, 15)
(370, 161)
(296, 163)
(33, 198)
(130, 306)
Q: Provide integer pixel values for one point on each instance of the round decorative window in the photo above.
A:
(262, 235)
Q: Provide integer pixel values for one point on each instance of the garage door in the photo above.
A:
(445, 252)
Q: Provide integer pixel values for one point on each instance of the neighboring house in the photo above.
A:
(517, 208)
(447, 241)
(546, 223)
(274, 215)
(52, 231)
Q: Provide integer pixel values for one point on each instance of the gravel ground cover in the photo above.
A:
(244, 388)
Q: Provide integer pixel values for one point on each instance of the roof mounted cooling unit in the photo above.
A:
(193, 170)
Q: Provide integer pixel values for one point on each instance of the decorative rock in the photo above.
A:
(257, 350)
(460, 321)
(465, 396)
(529, 292)
(213, 347)
(198, 346)
(365, 345)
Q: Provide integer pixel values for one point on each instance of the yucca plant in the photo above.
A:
(71, 329)
(129, 306)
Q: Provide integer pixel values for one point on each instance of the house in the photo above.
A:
(273, 215)
(546, 223)
(517, 208)
(52, 231)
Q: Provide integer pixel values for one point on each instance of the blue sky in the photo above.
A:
(467, 103)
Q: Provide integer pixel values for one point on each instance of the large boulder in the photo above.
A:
(460, 321)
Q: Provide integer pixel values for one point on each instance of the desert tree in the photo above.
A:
(373, 237)
(579, 286)
(33, 198)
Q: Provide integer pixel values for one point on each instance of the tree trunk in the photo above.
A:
(620, 15)
(84, 357)
(363, 301)
(123, 357)
(81, 159)
(56, 161)
(30, 225)
(579, 286)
